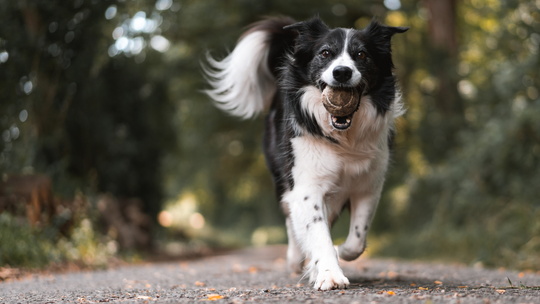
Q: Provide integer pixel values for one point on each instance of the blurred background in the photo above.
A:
(109, 150)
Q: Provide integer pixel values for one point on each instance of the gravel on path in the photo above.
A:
(260, 275)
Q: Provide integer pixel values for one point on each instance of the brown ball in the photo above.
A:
(340, 101)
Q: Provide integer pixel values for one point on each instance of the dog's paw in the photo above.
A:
(331, 279)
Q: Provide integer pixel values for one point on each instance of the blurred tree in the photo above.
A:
(87, 118)
(478, 201)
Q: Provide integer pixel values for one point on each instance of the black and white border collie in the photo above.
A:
(320, 163)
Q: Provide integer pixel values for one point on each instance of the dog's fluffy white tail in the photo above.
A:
(242, 83)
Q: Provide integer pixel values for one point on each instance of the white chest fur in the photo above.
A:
(358, 160)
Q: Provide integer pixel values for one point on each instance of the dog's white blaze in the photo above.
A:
(242, 82)
(344, 59)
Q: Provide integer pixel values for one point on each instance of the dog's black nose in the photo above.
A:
(342, 73)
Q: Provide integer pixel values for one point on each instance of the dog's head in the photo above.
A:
(344, 59)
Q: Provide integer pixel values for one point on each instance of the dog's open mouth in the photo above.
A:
(341, 103)
(341, 122)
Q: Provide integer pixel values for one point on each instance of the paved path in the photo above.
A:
(260, 275)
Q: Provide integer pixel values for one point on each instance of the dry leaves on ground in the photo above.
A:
(214, 297)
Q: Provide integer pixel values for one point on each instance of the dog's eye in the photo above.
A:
(325, 54)
(361, 55)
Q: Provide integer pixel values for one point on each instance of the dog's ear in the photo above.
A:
(381, 34)
(308, 33)
(311, 29)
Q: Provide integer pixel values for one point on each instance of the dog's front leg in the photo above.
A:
(309, 221)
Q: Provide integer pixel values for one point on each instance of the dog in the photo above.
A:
(321, 162)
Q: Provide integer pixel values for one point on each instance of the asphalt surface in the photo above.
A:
(261, 275)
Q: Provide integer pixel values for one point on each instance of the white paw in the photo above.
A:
(331, 279)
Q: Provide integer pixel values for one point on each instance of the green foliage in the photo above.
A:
(479, 201)
(21, 245)
(84, 118)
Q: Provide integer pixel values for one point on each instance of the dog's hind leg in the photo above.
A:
(295, 256)
(362, 212)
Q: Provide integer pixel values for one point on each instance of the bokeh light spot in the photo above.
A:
(165, 219)
(163, 4)
(122, 43)
(339, 9)
(117, 33)
(53, 26)
(196, 220)
(4, 56)
(110, 12)
(138, 22)
(113, 51)
(392, 4)
(23, 116)
(6, 136)
(69, 36)
(137, 45)
(160, 43)
(14, 132)
(467, 89)
(236, 148)
(28, 86)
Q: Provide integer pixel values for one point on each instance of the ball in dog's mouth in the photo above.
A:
(341, 103)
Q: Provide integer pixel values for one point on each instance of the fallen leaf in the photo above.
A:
(521, 274)
(423, 288)
(391, 293)
(463, 286)
(500, 291)
(438, 283)
(252, 270)
(199, 283)
(214, 297)
(412, 284)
